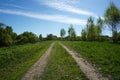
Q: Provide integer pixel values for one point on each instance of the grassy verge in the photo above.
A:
(61, 66)
(106, 56)
(16, 60)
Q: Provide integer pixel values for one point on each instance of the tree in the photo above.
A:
(51, 37)
(93, 31)
(40, 37)
(7, 40)
(71, 33)
(6, 35)
(99, 27)
(9, 31)
(62, 33)
(112, 18)
(84, 34)
(96, 33)
(27, 37)
(90, 29)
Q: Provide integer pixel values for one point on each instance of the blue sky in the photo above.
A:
(49, 16)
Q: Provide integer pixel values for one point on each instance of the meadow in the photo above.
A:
(16, 60)
(61, 66)
(105, 56)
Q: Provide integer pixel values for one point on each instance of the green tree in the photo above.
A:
(99, 28)
(27, 37)
(7, 40)
(62, 33)
(40, 37)
(9, 31)
(96, 33)
(90, 29)
(112, 18)
(92, 32)
(6, 35)
(51, 37)
(84, 35)
(71, 33)
(2, 35)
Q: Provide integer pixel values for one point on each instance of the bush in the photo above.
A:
(27, 37)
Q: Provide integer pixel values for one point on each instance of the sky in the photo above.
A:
(49, 16)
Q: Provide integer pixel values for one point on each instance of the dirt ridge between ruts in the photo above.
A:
(38, 68)
(90, 72)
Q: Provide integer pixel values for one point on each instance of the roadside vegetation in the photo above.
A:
(16, 60)
(61, 66)
(104, 55)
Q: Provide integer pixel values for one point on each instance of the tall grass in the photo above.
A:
(15, 60)
(61, 66)
(106, 56)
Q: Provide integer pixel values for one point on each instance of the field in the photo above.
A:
(16, 60)
(103, 55)
(61, 66)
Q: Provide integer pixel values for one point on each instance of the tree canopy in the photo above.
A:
(7, 36)
(90, 29)
(62, 33)
(112, 18)
(27, 37)
(71, 32)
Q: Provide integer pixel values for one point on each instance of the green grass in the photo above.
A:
(105, 55)
(61, 66)
(16, 60)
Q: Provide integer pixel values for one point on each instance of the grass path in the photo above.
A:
(85, 66)
(37, 69)
(61, 66)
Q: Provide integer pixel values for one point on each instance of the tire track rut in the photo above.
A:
(38, 68)
(85, 66)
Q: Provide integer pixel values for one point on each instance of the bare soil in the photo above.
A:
(90, 72)
(38, 68)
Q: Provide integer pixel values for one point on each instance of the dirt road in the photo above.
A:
(35, 72)
(37, 69)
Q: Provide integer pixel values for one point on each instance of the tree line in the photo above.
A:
(93, 32)
(9, 38)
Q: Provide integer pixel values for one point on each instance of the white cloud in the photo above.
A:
(55, 18)
(66, 5)
(12, 5)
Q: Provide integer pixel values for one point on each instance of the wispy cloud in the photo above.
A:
(55, 18)
(12, 5)
(66, 5)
